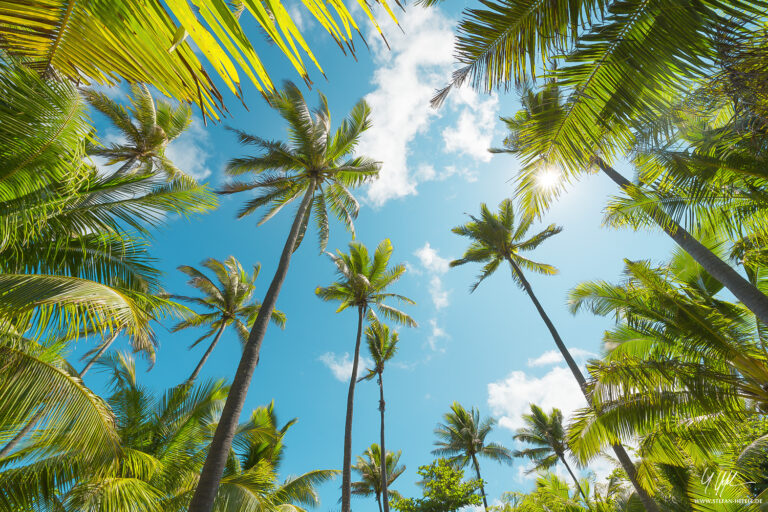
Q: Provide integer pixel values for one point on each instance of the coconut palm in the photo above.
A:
(161, 440)
(382, 346)
(495, 240)
(362, 284)
(227, 303)
(73, 257)
(147, 127)
(375, 477)
(462, 438)
(546, 433)
(319, 167)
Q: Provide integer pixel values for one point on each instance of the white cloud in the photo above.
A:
(431, 260)
(510, 398)
(419, 62)
(438, 294)
(189, 152)
(436, 333)
(436, 265)
(551, 357)
(341, 366)
(473, 133)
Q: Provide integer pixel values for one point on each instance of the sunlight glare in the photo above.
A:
(548, 178)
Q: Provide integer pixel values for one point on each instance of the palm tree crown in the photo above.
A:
(316, 161)
(369, 468)
(462, 437)
(228, 302)
(382, 346)
(546, 433)
(496, 238)
(363, 281)
(147, 126)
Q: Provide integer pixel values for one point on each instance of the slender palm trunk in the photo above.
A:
(575, 480)
(482, 487)
(621, 453)
(346, 470)
(207, 487)
(15, 440)
(104, 347)
(378, 500)
(207, 354)
(740, 287)
(383, 461)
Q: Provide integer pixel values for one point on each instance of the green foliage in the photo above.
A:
(444, 490)
(153, 43)
(496, 238)
(315, 161)
(369, 467)
(363, 282)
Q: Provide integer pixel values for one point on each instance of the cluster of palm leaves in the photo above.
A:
(678, 90)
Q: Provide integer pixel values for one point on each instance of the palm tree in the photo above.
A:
(462, 438)
(496, 239)
(362, 284)
(161, 440)
(227, 303)
(376, 477)
(146, 126)
(546, 433)
(382, 346)
(317, 165)
(73, 258)
(95, 42)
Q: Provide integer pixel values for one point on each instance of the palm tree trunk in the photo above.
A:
(346, 470)
(575, 480)
(740, 287)
(378, 500)
(199, 367)
(98, 354)
(207, 487)
(482, 487)
(621, 454)
(15, 440)
(383, 461)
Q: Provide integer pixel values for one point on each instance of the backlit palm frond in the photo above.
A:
(36, 383)
(107, 42)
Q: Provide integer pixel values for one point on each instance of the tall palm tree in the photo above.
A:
(546, 433)
(147, 127)
(495, 240)
(462, 438)
(317, 165)
(362, 284)
(227, 303)
(376, 477)
(382, 346)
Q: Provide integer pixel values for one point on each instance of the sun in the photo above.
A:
(548, 178)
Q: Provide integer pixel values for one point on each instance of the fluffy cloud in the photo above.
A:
(436, 265)
(341, 366)
(431, 260)
(190, 151)
(510, 398)
(473, 133)
(436, 333)
(551, 357)
(405, 80)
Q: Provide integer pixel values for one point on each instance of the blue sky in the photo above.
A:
(489, 349)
